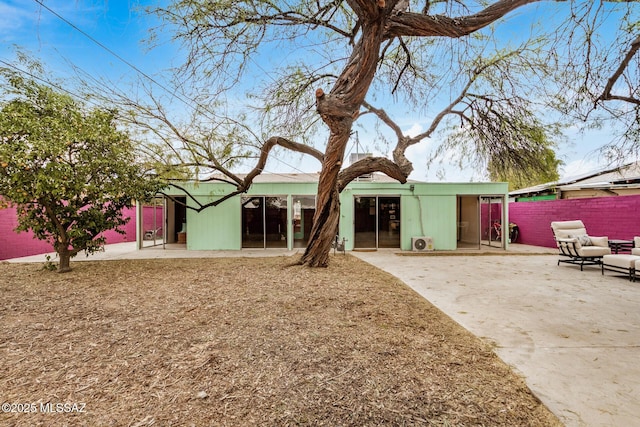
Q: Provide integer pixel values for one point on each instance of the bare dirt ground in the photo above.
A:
(242, 342)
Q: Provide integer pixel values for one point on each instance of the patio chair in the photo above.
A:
(636, 246)
(576, 246)
(152, 234)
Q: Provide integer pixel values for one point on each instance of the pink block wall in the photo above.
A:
(615, 217)
(14, 245)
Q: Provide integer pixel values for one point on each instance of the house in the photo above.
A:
(616, 181)
(376, 212)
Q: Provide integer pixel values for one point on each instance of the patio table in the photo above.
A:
(618, 245)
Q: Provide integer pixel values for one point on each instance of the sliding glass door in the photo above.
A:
(491, 221)
(304, 207)
(376, 222)
(264, 222)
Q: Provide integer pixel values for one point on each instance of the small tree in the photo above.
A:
(68, 170)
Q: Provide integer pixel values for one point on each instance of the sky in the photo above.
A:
(106, 38)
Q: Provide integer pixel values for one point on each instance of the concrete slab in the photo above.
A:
(574, 336)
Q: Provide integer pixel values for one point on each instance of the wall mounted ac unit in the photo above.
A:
(421, 244)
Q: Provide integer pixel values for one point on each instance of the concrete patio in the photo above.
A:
(574, 335)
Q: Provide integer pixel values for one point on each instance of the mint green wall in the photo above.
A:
(433, 216)
(220, 227)
(216, 228)
(429, 209)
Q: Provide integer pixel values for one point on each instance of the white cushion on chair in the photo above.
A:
(590, 251)
(567, 229)
(576, 230)
(599, 241)
(622, 261)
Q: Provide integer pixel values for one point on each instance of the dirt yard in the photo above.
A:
(242, 342)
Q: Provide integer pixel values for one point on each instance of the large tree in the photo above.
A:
(67, 168)
(339, 62)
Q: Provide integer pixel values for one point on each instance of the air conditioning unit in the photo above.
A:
(421, 244)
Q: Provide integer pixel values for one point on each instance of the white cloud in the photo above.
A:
(414, 130)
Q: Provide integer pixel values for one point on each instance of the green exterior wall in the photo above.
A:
(426, 209)
(215, 228)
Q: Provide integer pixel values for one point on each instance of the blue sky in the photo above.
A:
(119, 26)
(116, 24)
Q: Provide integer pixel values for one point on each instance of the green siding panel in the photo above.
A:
(427, 209)
(431, 216)
(215, 228)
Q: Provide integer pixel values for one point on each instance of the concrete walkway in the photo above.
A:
(574, 335)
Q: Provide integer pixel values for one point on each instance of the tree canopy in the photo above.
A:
(492, 80)
(68, 169)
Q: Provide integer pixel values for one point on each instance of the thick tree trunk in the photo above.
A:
(325, 220)
(65, 261)
(338, 110)
(325, 226)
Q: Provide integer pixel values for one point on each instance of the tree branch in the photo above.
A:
(417, 24)
(370, 165)
(200, 207)
(606, 93)
(264, 154)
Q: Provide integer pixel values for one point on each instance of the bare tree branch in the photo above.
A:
(264, 154)
(421, 25)
(606, 93)
(369, 165)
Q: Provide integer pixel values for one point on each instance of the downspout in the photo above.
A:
(412, 188)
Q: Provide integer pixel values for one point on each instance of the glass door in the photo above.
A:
(253, 222)
(275, 216)
(365, 223)
(491, 221)
(264, 222)
(376, 222)
(304, 207)
(388, 222)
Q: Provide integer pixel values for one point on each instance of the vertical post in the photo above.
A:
(165, 222)
(139, 225)
(505, 224)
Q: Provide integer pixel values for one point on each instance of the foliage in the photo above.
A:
(530, 171)
(68, 169)
(320, 68)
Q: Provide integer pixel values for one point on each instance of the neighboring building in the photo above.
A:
(618, 181)
(587, 198)
(376, 212)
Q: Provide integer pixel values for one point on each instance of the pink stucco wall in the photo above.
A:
(14, 245)
(615, 217)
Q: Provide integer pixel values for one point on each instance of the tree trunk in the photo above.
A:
(65, 261)
(323, 232)
(325, 220)
(338, 110)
